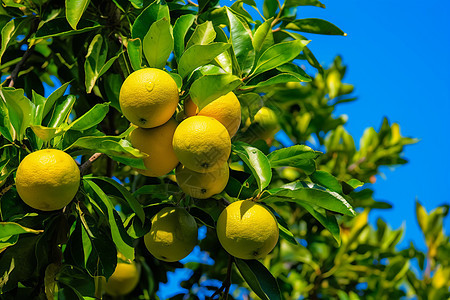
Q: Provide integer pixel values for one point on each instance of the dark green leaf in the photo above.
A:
(90, 119)
(310, 193)
(112, 84)
(298, 156)
(294, 3)
(181, 27)
(158, 43)
(317, 26)
(60, 27)
(210, 87)
(327, 220)
(74, 11)
(241, 39)
(260, 280)
(129, 198)
(278, 55)
(120, 237)
(148, 16)
(270, 8)
(199, 55)
(134, 50)
(256, 161)
(283, 227)
(295, 70)
(327, 180)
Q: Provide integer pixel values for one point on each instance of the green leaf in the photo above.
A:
(46, 133)
(6, 128)
(327, 180)
(108, 145)
(327, 220)
(199, 55)
(263, 37)
(296, 71)
(147, 17)
(8, 242)
(278, 55)
(317, 26)
(311, 193)
(181, 27)
(10, 31)
(58, 93)
(298, 156)
(60, 27)
(129, 198)
(61, 111)
(210, 87)
(257, 162)
(20, 109)
(283, 227)
(178, 80)
(112, 83)
(122, 240)
(95, 64)
(294, 3)
(90, 119)
(280, 78)
(241, 39)
(134, 51)
(260, 280)
(74, 11)
(422, 217)
(203, 35)
(312, 60)
(158, 43)
(270, 8)
(8, 229)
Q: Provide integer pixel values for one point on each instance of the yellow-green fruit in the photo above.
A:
(202, 144)
(47, 179)
(124, 279)
(202, 185)
(265, 124)
(157, 143)
(225, 109)
(148, 97)
(173, 234)
(247, 230)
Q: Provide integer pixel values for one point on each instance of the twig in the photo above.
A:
(226, 283)
(193, 3)
(5, 190)
(85, 166)
(19, 65)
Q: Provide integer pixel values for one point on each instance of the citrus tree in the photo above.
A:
(163, 120)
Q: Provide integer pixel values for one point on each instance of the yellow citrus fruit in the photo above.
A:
(47, 179)
(247, 230)
(124, 279)
(202, 185)
(157, 143)
(225, 109)
(148, 97)
(173, 234)
(202, 144)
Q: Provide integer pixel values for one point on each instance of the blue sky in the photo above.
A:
(397, 53)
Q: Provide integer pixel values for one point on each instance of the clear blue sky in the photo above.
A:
(397, 54)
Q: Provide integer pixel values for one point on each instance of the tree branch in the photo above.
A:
(85, 166)
(226, 283)
(16, 70)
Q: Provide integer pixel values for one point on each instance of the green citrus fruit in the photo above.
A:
(124, 279)
(173, 234)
